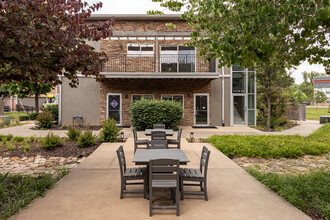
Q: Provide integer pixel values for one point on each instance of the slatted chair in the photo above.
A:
(158, 126)
(164, 173)
(157, 144)
(176, 141)
(138, 142)
(196, 175)
(158, 135)
(127, 174)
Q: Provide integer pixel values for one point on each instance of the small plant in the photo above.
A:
(11, 146)
(109, 131)
(87, 139)
(44, 120)
(51, 141)
(18, 139)
(32, 138)
(54, 110)
(6, 138)
(25, 146)
(73, 133)
(1, 124)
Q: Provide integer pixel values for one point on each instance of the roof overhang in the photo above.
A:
(135, 17)
(160, 75)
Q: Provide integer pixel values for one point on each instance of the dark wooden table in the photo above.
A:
(169, 132)
(143, 156)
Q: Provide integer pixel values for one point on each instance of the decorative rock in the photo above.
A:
(14, 158)
(40, 160)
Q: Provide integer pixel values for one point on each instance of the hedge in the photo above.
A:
(146, 112)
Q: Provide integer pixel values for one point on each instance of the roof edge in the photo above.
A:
(134, 17)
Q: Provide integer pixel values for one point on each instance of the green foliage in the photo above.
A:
(18, 139)
(25, 146)
(320, 97)
(109, 131)
(87, 139)
(73, 133)
(51, 141)
(145, 113)
(308, 192)
(16, 191)
(8, 137)
(45, 119)
(26, 117)
(315, 113)
(32, 138)
(274, 146)
(54, 110)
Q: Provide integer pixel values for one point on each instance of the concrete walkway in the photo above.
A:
(91, 191)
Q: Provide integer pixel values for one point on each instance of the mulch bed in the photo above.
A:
(68, 149)
(56, 127)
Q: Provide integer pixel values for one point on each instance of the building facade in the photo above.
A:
(148, 60)
(322, 84)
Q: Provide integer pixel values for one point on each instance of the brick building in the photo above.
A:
(147, 59)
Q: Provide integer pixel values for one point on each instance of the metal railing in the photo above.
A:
(166, 63)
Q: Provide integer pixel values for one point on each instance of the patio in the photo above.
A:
(91, 191)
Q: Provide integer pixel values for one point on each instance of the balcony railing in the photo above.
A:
(165, 63)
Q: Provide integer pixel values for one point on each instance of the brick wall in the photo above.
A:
(128, 87)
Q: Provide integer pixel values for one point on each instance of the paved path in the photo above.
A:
(91, 191)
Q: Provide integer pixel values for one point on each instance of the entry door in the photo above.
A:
(201, 109)
(114, 107)
(239, 109)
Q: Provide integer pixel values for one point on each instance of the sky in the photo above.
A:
(142, 6)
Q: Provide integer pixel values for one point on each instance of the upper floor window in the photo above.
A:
(140, 50)
(177, 59)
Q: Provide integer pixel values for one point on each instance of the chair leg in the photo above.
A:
(121, 189)
(181, 184)
(145, 187)
(150, 201)
(177, 200)
(205, 191)
(201, 184)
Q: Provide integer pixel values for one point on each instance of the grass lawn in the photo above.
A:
(17, 191)
(314, 113)
(274, 146)
(308, 192)
(14, 115)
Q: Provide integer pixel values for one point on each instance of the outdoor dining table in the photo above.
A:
(169, 132)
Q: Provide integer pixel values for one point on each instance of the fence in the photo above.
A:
(25, 108)
(296, 112)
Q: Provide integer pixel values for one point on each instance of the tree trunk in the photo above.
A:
(36, 101)
(268, 110)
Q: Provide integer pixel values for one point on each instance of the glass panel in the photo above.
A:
(251, 83)
(238, 110)
(114, 107)
(169, 59)
(137, 97)
(237, 68)
(251, 118)
(201, 109)
(250, 101)
(167, 97)
(147, 50)
(133, 50)
(186, 59)
(178, 98)
(238, 82)
(148, 96)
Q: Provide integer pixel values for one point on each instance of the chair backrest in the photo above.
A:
(134, 134)
(164, 169)
(121, 161)
(179, 135)
(159, 126)
(157, 144)
(158, 135)
(204, 161)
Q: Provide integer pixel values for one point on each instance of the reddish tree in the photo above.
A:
(42, 39)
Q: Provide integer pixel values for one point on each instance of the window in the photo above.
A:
(139, 97)
(177, 59)
(137, 50)
(175, 98)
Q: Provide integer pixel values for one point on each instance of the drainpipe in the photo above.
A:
(60, 103)
(223, 96)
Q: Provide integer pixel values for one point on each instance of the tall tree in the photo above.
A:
(269, 33)
(320, 97)
(26, 89)
(40, 40)
(307, 86)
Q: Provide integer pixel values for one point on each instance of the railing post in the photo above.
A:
(125, 56)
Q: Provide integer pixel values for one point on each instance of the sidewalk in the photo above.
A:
(91, 191)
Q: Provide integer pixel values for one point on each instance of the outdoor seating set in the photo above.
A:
(161, 167)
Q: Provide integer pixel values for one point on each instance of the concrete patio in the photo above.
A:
(91, 191)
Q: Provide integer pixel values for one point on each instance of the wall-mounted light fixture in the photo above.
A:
(121, 46)
(188, 95)
(122, 136)
(191, 137)
(126, 96)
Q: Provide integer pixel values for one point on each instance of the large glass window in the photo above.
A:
(238, 82)
(140, 50)
(177, 59)
(140, 96)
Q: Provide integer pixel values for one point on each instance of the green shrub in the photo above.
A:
(146, 112)
(54, 110)
(44, 120)
(32, 138)
(87, 139)
(73, 133)
(25, 146)
(32, 116)
(109, 131)
(18, 139)
(51, 141)
(6, 138)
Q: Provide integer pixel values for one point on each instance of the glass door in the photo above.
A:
(201, 109)
(114, 107)
(239, 109)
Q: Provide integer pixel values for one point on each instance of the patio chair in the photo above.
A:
(196, 175)
(159, 126)
(158, 135)
(138, 142)
(128, 174)
(157, 144)
(176, 141)
(164, 173)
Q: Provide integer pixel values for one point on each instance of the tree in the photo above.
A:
(40, 40)
(307, 86)
(250, 33)
(320, 97)
(27, 88)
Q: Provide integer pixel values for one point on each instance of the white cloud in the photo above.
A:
(305, 66)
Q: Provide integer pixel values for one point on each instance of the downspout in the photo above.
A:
(223, 97)
(60, 103)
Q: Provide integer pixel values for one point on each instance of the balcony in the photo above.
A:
(164, 66)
